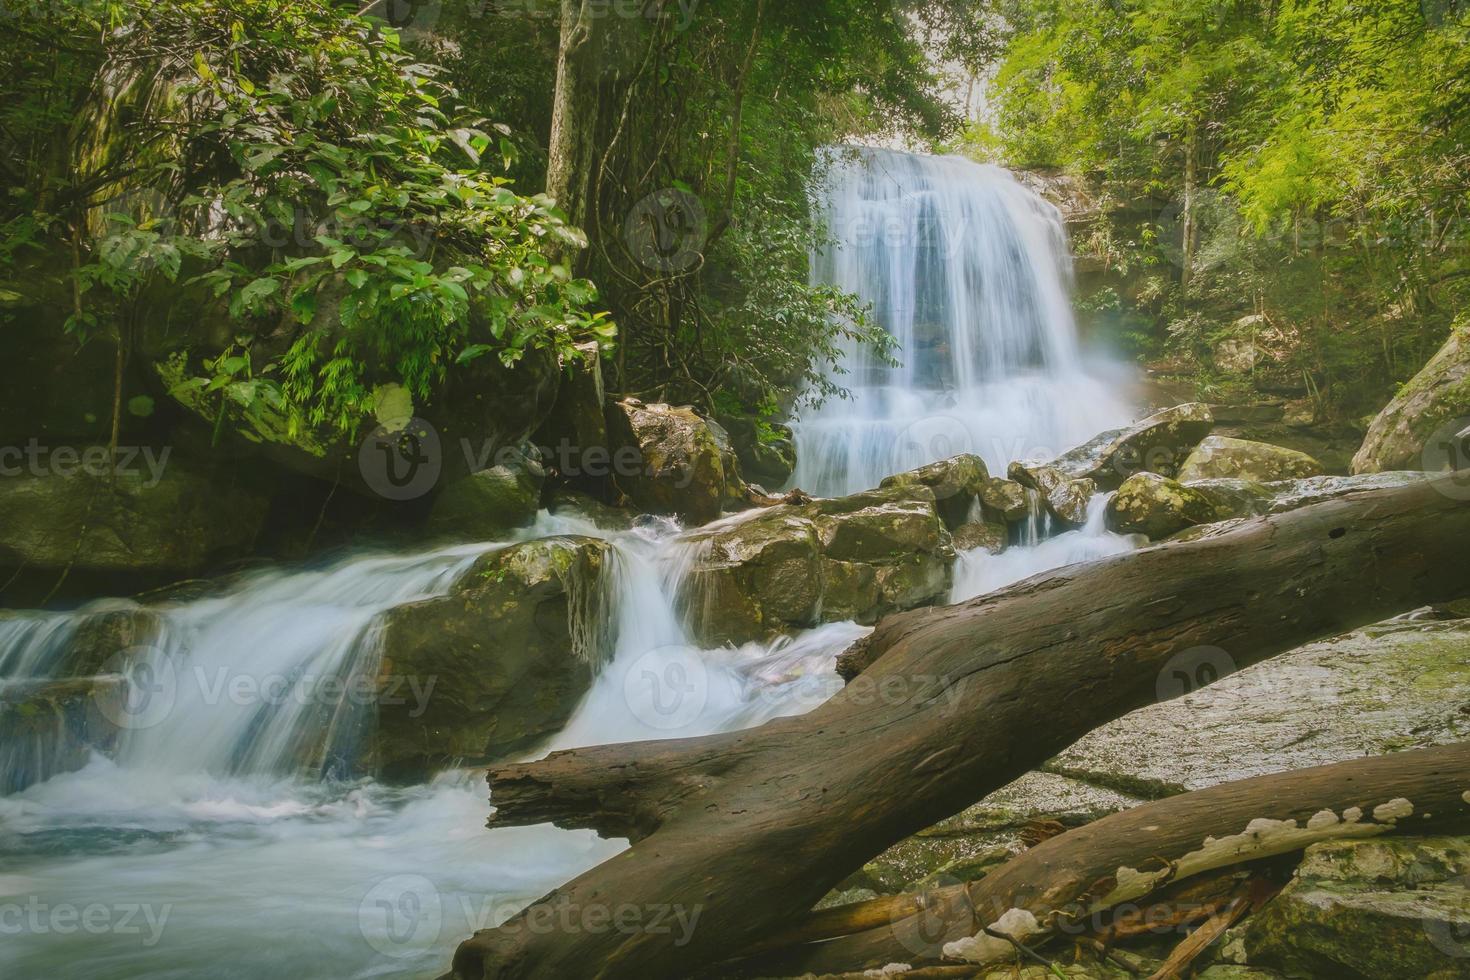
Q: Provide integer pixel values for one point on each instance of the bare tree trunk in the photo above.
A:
(574, 111)
(1190, 220)
(1065, 882)
(747, 831)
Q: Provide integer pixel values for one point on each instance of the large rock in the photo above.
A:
(155, 514)
(510, 651)
(1424, 427)
(484, 506)
(1221, 458)
(767, 453)
(1156, 506)
(794, 566)
(1382, 909)
(1382, 689)
(480, 409)
(956, 484)
(1157, 444)
(573, 439)
(1005, 501)
(670, 460)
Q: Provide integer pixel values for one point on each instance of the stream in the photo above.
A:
(236, 836)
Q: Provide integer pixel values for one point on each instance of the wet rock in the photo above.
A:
(51, 727)
(1157, 444)
(482, 408)
(504, 657)
(1423, 428)
(1069, 501)
(171, 516)
(1380, 909)
(1221, 457)
(1004, 501)
(574, 435)
(991, 537)
(767, 453)
(685, 465)
(1291, 494)
(956, 483)
(1156, 506)
(795, 565)
(1389, 687)
(486, 505)
(581, 506)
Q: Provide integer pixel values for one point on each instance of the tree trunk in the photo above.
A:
(1191, 162)
(1068, 881)
(749, 830)
(574, 111)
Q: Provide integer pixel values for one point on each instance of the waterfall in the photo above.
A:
(970, 273)
(216, 813)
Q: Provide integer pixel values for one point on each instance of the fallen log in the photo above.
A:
(750, 829)
(1065, 884)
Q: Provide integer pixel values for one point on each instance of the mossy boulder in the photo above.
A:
(671, 460)
(992, 538)
(796, 565)
(509, 652)
(1425, 425)
(1005, 501)
(767, 453)
(1156, 506)
(956, 484)
(1157, 444)
(1219, 457)
(147, 513)
(487, 505)
(573, 439)
(1381, 909)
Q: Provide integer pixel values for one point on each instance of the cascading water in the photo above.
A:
(217, 822)
(970, 274)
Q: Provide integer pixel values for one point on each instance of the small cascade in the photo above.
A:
(970, 273)
(978, 572)
(211, 807)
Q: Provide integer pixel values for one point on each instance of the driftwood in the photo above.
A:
(750, 829)
(1067, 882)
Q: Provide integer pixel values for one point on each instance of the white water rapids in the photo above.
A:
(236, 841)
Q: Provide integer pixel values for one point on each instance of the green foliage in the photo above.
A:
(1328, 141)
(302, 168)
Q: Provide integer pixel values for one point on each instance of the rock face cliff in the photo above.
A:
(1428, 425)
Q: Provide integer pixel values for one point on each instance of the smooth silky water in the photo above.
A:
(228, 839)
(970, 272)
(236, 840)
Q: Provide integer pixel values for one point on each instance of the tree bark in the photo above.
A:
(1066, 882)
(750, 830)
(574, 112)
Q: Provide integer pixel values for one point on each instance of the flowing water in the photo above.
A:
(212, 843)
(970, 273)
(229, 832)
